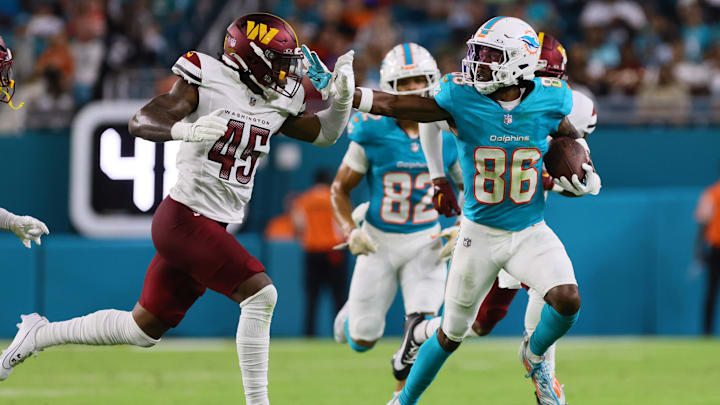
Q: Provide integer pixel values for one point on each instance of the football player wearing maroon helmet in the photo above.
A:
(7, 84)
(224, 111)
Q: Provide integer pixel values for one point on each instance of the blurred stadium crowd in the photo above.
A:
(645, 61)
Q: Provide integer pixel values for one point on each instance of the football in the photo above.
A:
(565, 157)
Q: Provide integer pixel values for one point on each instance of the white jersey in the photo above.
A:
(583, 116)
(215, 178)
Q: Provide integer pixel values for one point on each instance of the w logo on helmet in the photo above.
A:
(254, 30)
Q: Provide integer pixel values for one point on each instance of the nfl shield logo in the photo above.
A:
(233, 42)
(508, 119)
(467, 242)
(414, 147)
(253, 100)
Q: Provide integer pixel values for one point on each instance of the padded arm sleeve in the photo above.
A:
(432, 143)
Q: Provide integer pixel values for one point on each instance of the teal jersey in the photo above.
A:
(397, 175)
(501, 151)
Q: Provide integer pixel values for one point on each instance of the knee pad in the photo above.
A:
(261, 304)
(368, 328)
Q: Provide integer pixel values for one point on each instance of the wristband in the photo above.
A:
(366, 99)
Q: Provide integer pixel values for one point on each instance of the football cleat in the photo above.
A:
(548, 390)
(404, 357)
(395, 399)
(23, 345)
(339, 324)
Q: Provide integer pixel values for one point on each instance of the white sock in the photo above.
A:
(425, 329)
(106, 327)
(253, 343)
(532, 318)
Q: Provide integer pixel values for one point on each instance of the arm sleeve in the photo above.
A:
(332, 123)
(583, 115)
(188, 67)
(432, 143)
(355, 158)
(6, 218)
(456, 173)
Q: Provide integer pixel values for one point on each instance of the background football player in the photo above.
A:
(502, 224)
(397, 244)
(7, 84)
(224, 111)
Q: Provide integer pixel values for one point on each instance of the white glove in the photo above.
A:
(360, 243)
(28, 229)
(343, 80)
(592, 183)
(207, 128)
(451, 234)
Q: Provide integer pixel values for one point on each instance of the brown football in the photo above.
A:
(565, 157)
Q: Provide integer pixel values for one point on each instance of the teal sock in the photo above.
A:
(430, 359)
(552, 326)
(351, 342)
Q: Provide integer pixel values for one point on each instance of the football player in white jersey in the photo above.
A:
(397, 245)
(224, 112)
(25, 227)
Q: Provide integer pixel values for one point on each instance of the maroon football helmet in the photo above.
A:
(6, 61)
(266, 47)
(553, 57)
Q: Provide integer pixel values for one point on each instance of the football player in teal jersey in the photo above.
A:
(501, 115)
(397, 244)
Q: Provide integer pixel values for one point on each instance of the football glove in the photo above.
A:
(340, 83)
(207, 128)
(344, 79)
(444, 200)
(28, 229)
(451, 235)
(319, 75)
(591, 185)
(360, 243)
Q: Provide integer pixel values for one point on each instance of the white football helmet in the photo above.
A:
(408, 60)
(518, 58)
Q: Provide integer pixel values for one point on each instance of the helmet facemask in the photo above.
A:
(486, 67)
(431, 79)
(286, 70)
(6, 83)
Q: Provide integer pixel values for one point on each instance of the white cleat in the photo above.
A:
(339, 324)
(23, 345)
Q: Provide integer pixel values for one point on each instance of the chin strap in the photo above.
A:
(249, 80)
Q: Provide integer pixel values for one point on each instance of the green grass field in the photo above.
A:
(320, 372)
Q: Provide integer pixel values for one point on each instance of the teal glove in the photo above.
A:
(317, 72)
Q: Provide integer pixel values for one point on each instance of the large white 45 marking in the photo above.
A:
(491, 164)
